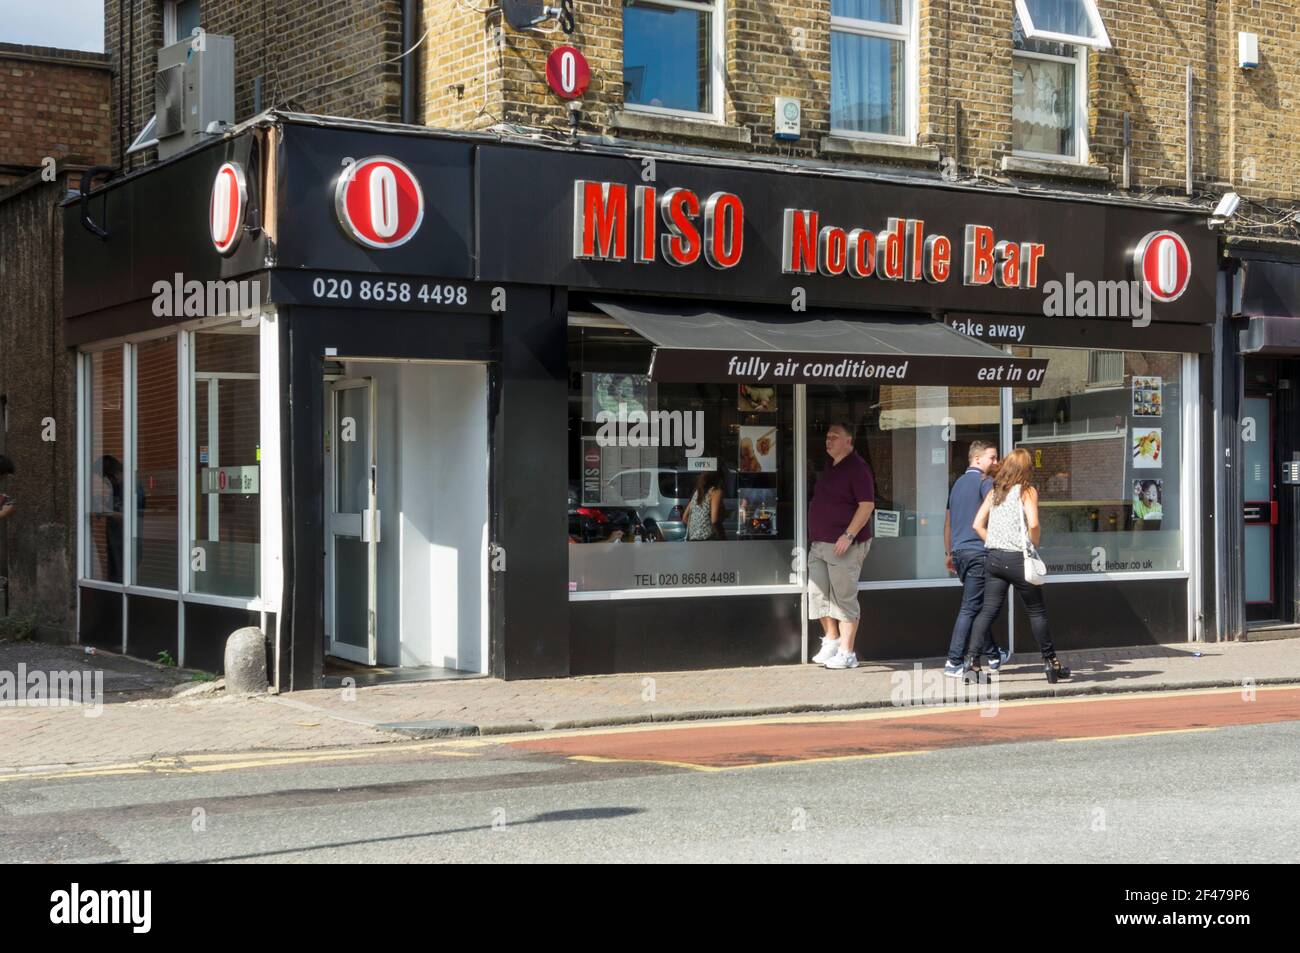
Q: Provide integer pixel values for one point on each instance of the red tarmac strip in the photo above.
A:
(738, 744)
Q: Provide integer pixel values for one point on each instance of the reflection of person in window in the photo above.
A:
(1146, 501)
(703, 515)
(108, 507)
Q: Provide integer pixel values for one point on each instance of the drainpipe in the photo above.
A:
(409, 10)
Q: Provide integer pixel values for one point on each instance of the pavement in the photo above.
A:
(148, 713)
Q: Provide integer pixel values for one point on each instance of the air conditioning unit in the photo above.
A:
(194, 87)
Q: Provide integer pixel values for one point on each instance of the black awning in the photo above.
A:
(697, 344)
(1271, 334)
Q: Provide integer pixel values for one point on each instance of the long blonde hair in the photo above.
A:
(1016, 469)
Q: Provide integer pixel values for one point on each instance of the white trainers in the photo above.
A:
(830, 648)
(843, 660)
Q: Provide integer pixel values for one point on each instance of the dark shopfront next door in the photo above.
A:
(1268, 510)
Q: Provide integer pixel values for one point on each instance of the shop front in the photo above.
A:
(460, 427)
(1260, 429)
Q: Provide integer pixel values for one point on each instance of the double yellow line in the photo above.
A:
(234, 761)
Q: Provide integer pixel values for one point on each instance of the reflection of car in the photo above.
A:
(597, 523)
(658, 494)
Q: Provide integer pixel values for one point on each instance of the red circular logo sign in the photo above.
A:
(1163, 263)
(226, 207)
(378, 202)
(567, 72)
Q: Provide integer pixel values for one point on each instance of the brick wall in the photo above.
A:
(38, 541)
(52, 103)
(325, 57)
(1243, 122)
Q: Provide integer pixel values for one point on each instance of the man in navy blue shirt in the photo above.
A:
(965, 555)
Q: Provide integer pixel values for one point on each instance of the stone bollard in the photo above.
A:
(246, 662)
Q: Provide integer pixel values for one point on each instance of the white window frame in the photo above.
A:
(1080, 63)
(169, 22)
(717, 68)
(1100, 42)
(907, 32)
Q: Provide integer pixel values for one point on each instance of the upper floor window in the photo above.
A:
(872, 72)
(1049, 98)
(673, 56)
(180, 19)
(1067, 21)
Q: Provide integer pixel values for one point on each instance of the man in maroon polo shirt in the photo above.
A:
(839, 534)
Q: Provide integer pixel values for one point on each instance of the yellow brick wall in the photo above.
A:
(1245, 123)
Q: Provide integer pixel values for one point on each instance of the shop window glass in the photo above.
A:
(106, 489)
(628, 520)
(225, 517)
(154, 543)
(915, 440)
(1105, 434)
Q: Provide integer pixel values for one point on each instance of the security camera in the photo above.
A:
(1226, 208)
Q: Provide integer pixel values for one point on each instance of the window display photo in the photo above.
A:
(758, 450)
(1146, 396)
(1148, 497)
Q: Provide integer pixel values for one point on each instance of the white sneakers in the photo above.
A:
(843, 660)
(830, 648)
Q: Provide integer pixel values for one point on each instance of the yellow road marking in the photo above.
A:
(230, 761)
(1147, 734)
(740, 767)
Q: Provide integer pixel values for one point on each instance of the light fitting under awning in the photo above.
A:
(703, 344)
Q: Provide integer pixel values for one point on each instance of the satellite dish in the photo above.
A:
(524, 14)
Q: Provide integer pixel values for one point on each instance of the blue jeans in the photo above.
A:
(970, 570)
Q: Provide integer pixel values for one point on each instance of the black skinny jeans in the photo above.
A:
(1003, 569)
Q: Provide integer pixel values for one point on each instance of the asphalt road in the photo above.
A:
(1219, 786)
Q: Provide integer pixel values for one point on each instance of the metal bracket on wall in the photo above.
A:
(87, 184)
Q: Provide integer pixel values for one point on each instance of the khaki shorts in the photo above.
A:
(833, 581)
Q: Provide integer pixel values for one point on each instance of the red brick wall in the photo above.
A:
(52, 103)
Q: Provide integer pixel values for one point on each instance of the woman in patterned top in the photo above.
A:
(1007, 519)
(703, 516)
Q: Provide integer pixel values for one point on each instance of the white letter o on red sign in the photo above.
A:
(378, 202)
(1163, 264)
(567, 72)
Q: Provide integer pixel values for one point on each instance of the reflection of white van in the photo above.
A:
(659, 494)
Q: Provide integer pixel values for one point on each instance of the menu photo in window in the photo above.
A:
(756, 512)
(1148, 500)
(618, 395)
(1146, 396)
(1148, 453)
(757, 450)
(754, 398)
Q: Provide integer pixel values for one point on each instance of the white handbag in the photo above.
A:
(1035, 568)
